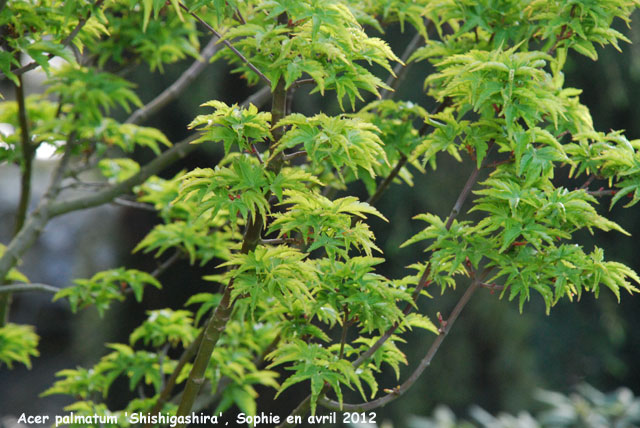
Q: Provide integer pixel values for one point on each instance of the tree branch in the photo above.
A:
(32, 228)
(65, 42)
(165, 159)
(20, 288)
(49, 208)
(186, 356)
(178, 86)
(403, 160)
(304, 406)
(133, 204)
(28, 153)
(252, 236)
(229, 45)
(424, 363)
(27, 157)
(382, 187)
(401, 69)
(471, 181)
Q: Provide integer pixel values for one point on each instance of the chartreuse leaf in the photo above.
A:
(239, 189)
(316, 364)
(117, 170)
(233, 126)
(138, 366)
(14, 274)
(235, 359)
(80, 383)
(372, 300)
(194, 238)
(322, 40)
(388, 353)
(279, 273)
(104, 287)
(126, 136)
(18, 343)
(165, 326)
(340, 141)
(398, 123)
(323, 223)
(88, 95)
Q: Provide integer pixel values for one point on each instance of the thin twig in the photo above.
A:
(167, 264)
(302, 82)
(186, 356)
(229, 45)
(424, 363)
(471, 181)
(257, 154)
(602, 192)
(279, 241)
(133, 204)
(294, 155)
(65, 42)
(178, 86)
(20, 288)
(382, 187)
(258, 99)
(345, 328)
(589, 180)
(401, 68)
(304, 406)
(491, 286)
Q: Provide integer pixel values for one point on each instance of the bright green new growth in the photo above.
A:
(296, 284)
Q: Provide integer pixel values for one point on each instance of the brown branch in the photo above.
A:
(65, 42)
(291, 156)
(162, 267)
(471, 181)
(28, 153)
(424, 363)
(252, 237)
(401, 69)
(304, 406)
(301, 82)
(382, 187)
(345, 328)
(229, 45)
(491, 286)
(602, 192)
(186, 356)
(403, 160)
(178, 86)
